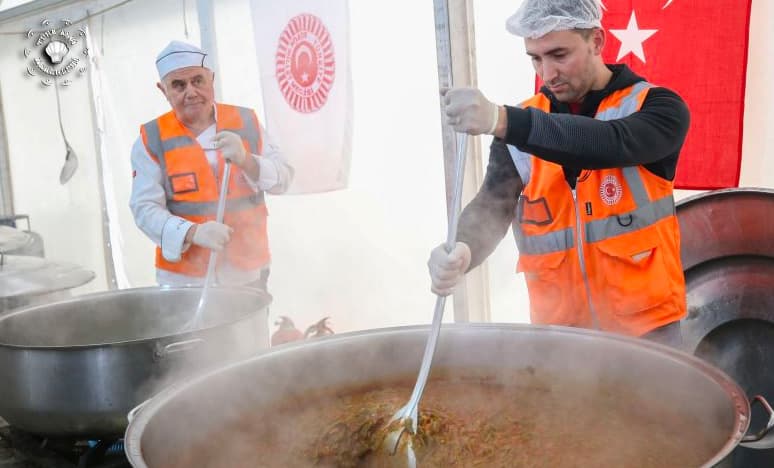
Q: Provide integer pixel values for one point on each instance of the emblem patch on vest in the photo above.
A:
(610, 191)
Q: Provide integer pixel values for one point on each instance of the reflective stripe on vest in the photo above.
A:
(628, 105)
(556, 241)
(647, 212)
(159, 147)
(195, 198)
(156, 146)
(605, 254)
(210, 208)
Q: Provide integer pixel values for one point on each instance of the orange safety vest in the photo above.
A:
(606, 255)
(192, 189)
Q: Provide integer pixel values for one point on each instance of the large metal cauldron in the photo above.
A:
(184, 416)
(727, 250)
(76, 368)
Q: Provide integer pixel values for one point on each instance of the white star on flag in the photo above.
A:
(632, 38)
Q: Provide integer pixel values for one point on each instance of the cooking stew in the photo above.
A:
(526, 420)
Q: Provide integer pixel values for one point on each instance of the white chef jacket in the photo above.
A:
(149, 206)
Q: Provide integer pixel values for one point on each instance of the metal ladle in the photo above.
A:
(71, 160)
(196, 320)
(408, 415)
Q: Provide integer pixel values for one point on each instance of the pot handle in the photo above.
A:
(133, 412)
(764, 439)
(162, 351)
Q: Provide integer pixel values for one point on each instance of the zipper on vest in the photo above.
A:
(582, 259)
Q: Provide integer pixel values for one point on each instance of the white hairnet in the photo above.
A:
(536, 18)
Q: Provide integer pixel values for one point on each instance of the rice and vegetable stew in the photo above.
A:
(529, 421)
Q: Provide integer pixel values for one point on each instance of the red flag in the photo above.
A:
(698, 48)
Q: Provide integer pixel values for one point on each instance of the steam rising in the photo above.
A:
(122, 347)
(578, 368)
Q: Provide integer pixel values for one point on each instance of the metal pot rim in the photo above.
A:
(170, 336)
(140, 416)
(721, 193)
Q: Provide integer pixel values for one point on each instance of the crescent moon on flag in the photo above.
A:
(303, 50)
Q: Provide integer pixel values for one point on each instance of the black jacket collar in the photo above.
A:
(623, 77)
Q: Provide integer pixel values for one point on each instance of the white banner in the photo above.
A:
(303, 56)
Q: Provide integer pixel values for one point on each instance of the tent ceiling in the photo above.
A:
(14, 9)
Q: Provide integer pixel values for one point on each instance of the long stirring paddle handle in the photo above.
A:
(219, 214)
(440, 302)
(59, 111)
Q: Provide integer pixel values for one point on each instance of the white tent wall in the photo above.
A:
(356, 255)
(758, 143)
(68, 217)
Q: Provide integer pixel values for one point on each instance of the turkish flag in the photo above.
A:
(697, 48)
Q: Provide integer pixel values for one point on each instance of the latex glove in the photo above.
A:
(231, 147)
(212, 235)
(468, 111)
(447, 268)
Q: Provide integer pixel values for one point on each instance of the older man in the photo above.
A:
(583, 172)
(178, 163)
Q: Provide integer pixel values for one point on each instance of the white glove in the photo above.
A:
(468, 111)
(231, 147)
(212, 235)
(447, 268)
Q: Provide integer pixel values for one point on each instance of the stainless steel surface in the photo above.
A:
(27, 280)
(208, 403)
(22, 275)
(77, 367)
(727, 248)
(725, 223)
(33, 244)
(724, 291)
(408, 414)
(12, 239)
(71, 160)
(758, 438)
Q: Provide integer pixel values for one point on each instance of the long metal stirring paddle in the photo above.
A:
(196, 321)
(408, 415)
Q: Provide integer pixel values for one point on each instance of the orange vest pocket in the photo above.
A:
(550, 287)
(183, 183)
(631, 275)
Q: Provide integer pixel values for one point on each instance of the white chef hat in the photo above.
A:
(178, 54)
(536, 18)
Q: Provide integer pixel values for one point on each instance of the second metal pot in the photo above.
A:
(75, 368)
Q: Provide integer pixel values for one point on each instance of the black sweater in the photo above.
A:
(651, 137)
